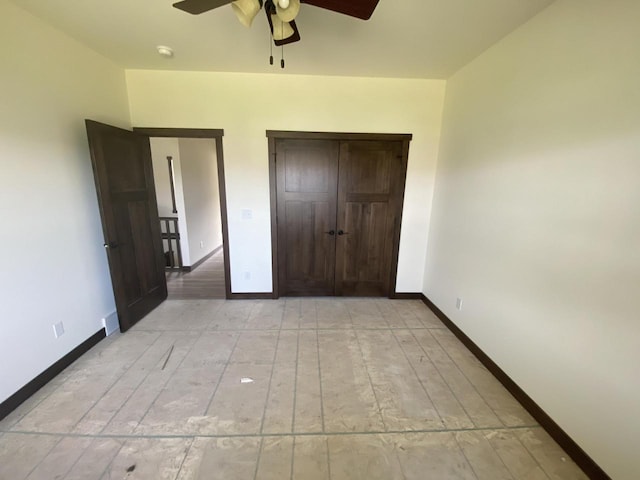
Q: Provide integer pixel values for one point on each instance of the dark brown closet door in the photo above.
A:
(307, 178)
(370, 193)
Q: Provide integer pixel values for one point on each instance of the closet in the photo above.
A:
(337, 205)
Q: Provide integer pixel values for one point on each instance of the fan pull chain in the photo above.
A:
(282, 48)
(270, 50)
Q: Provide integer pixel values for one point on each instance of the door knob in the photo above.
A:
(111, 245)
(331, 232)
(340, 232)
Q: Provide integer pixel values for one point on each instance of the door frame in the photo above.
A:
(214, 134)
(273, 135)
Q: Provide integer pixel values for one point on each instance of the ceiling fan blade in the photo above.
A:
(195, 7)
(362, 9)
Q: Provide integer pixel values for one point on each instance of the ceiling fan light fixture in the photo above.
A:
(246, 10)
(281, 30)
(287, 10)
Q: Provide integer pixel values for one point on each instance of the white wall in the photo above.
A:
(536, 220)
(53, 264)
(201, 197)
(161, 178)
(161, 148)
(246, 105)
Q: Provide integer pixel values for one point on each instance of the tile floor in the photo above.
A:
(340, 389)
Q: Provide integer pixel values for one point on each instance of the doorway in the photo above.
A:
(336, 202)
(188, 169)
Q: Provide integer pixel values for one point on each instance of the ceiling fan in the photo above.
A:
(281, 14)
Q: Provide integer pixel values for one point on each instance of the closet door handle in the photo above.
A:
(340, 232)
(331, 232)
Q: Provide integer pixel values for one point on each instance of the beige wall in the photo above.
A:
(161, 148)
(201, 197)
(52, 263)
(246, 105)
(536, 220)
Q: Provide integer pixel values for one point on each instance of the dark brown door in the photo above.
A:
(307, 180)
(126, 194)
(371, 186)
(339, 205)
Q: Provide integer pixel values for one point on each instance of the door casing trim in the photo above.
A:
(273, 135)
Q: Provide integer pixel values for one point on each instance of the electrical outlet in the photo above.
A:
(201, 244)
(247, 275)
(247, 214)
(459, 303)
(58, 330)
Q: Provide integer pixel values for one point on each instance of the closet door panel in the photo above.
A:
(307, 177)
(368, 190)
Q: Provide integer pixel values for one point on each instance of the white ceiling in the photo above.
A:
(404, 38)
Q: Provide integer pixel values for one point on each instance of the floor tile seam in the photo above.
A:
(295, 385)
(413, 310)
(37, 464)
(416, 307)
(113, 384)
(213, 314)
(528, 452)
(224, 370)
(415, 372)
(473, 470)
(184, 459)
(259, 456)
(164, 385)
(135, 390)
(108, 467)
(371, 385)
(470, 382)
(293, 456)
(328, 457)
(320, 381)
(507, 469)
(203, 330)
(295, 380)
(266, 401)
(34, 407)
(377, 304)
(75, 369)
(273, 435)
(532, 455)
(54, 390)
(444, 379)
(75, 462)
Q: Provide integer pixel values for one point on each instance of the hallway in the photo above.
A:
(300, 388)
(205, 282)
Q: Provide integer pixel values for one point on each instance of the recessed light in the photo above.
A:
(164, 51)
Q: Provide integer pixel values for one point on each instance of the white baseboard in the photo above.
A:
(110, 323)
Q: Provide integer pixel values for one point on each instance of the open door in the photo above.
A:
(126, 195)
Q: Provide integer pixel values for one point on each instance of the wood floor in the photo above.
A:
(205, 282)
